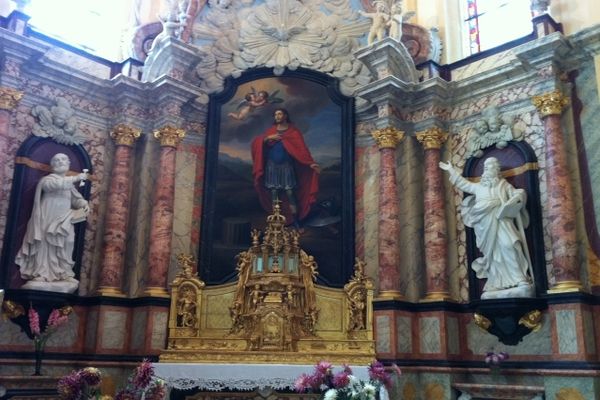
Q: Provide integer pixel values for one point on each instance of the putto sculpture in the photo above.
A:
(57, 122)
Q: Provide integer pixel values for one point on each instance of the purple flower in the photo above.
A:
(91, 376)
(377, 373)
(69, 387)
(143, 375)
(302, 383)
(503, 356)
(125, 394)
(157, 391)
(341, 379)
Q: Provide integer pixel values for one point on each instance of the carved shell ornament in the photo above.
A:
(317, 34)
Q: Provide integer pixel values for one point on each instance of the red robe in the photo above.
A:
(306, 177)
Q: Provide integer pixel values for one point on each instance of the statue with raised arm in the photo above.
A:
(397, 18)
(46, 255)
(379, 22)
(496, 211)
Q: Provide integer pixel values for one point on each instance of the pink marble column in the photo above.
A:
(161, 225)
(9, 98)
(435, 219)
(389, 222)
(560, 205)
(117, 212)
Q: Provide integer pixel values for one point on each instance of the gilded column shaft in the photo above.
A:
(434, 217)
(161, 225)
(561, 208)
(117, 213)
(389, 221)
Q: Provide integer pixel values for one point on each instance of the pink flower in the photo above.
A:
(57, 319)
(347, 369)
(302, 383)
(70, 387)
(377, 372)
(157, 392)
(341, 379)
(34, 321)
(143, 375)
(323, 367)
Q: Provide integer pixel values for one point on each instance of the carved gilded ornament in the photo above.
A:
(169, 136)
(481, 321)
(12, 309)
(432, 138)
(9, 98)
(387, 138)
(125, 135)
(532, 320)
(552, 103)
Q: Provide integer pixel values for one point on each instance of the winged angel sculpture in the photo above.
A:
(317, 34)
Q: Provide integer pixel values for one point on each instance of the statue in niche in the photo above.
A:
(379, 21)
(397, 18)
(496, 211)
(57, 122)
(539, 7)
(490, 130)
(46, 255)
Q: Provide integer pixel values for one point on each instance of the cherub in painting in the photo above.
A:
(254, 100)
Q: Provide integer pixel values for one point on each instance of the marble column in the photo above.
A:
(117, 212)
(436, 264)
(9, 98)
(560, 204)
(161, 225)
(389, 220)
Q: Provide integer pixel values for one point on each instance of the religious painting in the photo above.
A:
(283, 140)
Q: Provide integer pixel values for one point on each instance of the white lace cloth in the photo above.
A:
(215, 377)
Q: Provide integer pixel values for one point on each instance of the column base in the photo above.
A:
(153, 291)
(389, 295)
(437, 296)
(110, 291)
(566, 287)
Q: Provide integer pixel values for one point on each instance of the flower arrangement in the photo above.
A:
(85, 384)
(494, 360)
(57, 318)
(343, 385)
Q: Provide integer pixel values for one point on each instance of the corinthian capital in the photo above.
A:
(432, 138)
(552, 103)
(387, 138)
(169, 135)
(9, 98)
(125, 135)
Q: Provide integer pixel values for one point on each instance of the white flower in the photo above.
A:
(370, 390)
(331, 394)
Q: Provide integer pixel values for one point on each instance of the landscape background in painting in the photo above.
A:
(236, 205)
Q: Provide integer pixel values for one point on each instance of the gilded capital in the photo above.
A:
(387, 138)
(432, 138)
(169, 135)
(9, 98)
(125, 135)
(552, 103)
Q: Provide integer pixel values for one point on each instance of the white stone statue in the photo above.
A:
(496, 211)
(539, 7)
(46, 255)
(58, 122)
(491, 130)
(379, 21)
(397, 18)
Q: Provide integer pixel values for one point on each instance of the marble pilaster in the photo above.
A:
(161, 225)
(389, 222)
(561, 208)
(434, 217)
(117, 213)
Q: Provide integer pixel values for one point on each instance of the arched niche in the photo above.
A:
(519, 166)
(32, 162)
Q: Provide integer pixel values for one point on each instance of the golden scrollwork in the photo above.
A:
(186, 264)
(9, 98)
(125, 135)
(12, 309)
(566, 287)
(482, 321)
(169, 136)
(357, 297)
(532, 320)
(552, 103)
(432, 138)
(388, 137)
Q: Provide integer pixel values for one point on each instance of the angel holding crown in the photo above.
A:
(252, 101)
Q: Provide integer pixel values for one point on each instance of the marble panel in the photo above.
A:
(11, 334)
(91, 329)
(453, 335)
(486, 64)
(429, 333)
(67, 335)
(159, 329)
(383, 341)
(138, 329)
(535, 343)
(404, 334)
(77, 62)
(113, 330)
(371, 212)
(588, 332)
(566, 331)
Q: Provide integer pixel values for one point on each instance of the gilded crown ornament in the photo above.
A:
(432, 138)
(387, 138)
(552, 103)
(9, 98)
(125, 135)
(169, 136)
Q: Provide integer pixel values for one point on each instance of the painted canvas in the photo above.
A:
(254, 164)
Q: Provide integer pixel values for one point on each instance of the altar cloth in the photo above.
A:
(216, 377)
